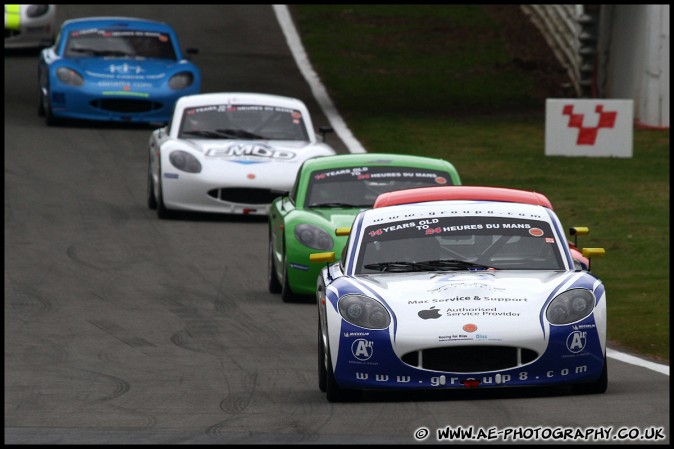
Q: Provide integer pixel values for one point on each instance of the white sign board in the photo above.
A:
(592, 128)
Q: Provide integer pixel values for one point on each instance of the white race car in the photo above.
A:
(229, 153)
(29, 26)
(459, 287)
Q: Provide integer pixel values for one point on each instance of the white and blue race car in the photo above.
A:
(459, 287)
(231, 153)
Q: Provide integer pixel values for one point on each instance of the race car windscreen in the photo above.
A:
(360, 186)
(137, 44)
(459, 243)
(228, 121)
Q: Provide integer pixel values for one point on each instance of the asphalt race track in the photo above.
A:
(123, 328)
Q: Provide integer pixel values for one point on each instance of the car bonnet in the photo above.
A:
(433, 309)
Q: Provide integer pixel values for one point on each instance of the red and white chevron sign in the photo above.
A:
(590, 128)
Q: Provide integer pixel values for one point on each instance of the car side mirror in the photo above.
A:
(324, 130)
(342, 231)
(322, 257)
(592, 252)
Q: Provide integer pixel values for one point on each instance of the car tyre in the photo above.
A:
(322, 370)
(151, 199)
(162, 211)
(40, 104)
(598, 387)
(50, 119)
(272, 280)
(333, 392)
(286, 292)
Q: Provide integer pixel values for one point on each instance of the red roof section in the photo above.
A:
(475, 193)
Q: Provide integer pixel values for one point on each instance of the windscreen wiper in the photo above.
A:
(239, 133)
(395, 266)
(430, 265)
(450, 264)
(338, 204)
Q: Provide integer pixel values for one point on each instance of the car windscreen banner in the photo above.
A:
(383, 174)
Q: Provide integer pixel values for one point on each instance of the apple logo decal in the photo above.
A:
(431, 313)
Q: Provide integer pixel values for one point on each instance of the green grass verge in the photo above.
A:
(439, 81)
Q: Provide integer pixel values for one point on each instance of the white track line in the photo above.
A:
(321, 95)
(354, 145)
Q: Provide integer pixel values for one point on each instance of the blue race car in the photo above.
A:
(114, 69)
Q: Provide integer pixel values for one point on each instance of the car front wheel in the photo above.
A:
(162, 211)
(151, 199)
(335, 393)
(322, 370)
(50, 119)
(286, 293)
(272, 280)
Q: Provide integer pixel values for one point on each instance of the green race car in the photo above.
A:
(328, 193)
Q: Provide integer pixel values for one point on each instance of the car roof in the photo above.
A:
(448, 193)
(350, 160)
(111, 21)
(238, 98)
(452, 208)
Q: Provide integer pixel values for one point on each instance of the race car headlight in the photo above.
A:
(313, 237)
(570, 306)
(69, 76)
(181, 80)
(364, 312)
(185, 161)
(36, 10)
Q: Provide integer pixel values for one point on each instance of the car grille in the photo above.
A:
(244, 195)
(470, 359)
(126, 106)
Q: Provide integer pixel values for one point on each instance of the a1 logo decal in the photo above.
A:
(576, 341)
(362, 349)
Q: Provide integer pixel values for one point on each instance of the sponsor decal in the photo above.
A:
(485, 337)
(171, 175)
(356, 334)
(362, 349)
(299, 267)
(127, 94)
(536, 232)
(487, 379)
(429, 314)
(454, 337)
(469, 327)
(468, 298)
(250, 151)
(126, 68)
(458, 284)
(478, 311)
(124, 84)
(429, 227)
(383, 173)
(576, 341)
(440, 300)
(501, 299)
(398, 227)
(460, 337)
